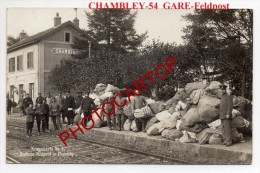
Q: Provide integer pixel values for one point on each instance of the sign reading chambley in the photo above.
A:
(65, 51)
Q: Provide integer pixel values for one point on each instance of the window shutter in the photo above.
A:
(28, 66)
(21, 62)
(31, 60)
(17, 64)
(13, 64)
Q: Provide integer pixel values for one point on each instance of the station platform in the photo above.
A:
(240, 153)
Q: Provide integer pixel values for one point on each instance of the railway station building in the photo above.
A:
(30, 60)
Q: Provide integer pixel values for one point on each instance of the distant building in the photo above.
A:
(30, 61)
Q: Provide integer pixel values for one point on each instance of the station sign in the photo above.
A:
(65, 51)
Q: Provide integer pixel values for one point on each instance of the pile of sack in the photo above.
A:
(102, 92)
(192, 115)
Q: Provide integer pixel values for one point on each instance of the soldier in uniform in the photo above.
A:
(60, 101)
(45, 115)
(109, 110)
(48, 102)
(21, 106)
(225, 114)
(29, 119)
(69, 106)
(137, 103)
(48, 98)
(55, 114)
(40, 118)
(26, 101)
(39, 98)
(9, 105)
(87, 105)
(120, 117)
(78, 100)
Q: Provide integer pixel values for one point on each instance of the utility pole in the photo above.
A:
(89, 45)
(89, 49)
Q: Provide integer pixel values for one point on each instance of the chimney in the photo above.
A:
(57, 20)
(76, 22)
(22, 35)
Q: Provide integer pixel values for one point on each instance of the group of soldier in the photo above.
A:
(116, 118)
(62, 110)
(57, 108)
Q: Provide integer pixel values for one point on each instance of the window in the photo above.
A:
(12, 64)
(67, 37)
(12, 91)
(20, 90)
(30, 60)
(20, 62)
(31, 90)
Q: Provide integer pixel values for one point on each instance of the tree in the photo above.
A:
(12, 40)
(221, 42)
(149, 57)
(115, 29)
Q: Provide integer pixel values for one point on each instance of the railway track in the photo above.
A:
(87, 151)
(11, 160)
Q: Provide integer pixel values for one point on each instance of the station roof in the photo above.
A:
(41, 35)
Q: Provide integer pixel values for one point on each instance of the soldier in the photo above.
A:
(137, 103)
(225, 114)
(21, 106)
(69, 106)
(48, 102)
(55, 114)
(29, 119)
(60, 101)
(9, 105)
(87, 105)
(26, 101)
(48, 98)
(39, 98)
(45, 115)
(40, 118)
(120, 117)
(108, 108)
(78, 100)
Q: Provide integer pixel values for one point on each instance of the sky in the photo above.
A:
(165, 25)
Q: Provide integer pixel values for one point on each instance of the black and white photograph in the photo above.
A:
(129, 87)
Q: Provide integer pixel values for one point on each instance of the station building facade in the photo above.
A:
(30, 61)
